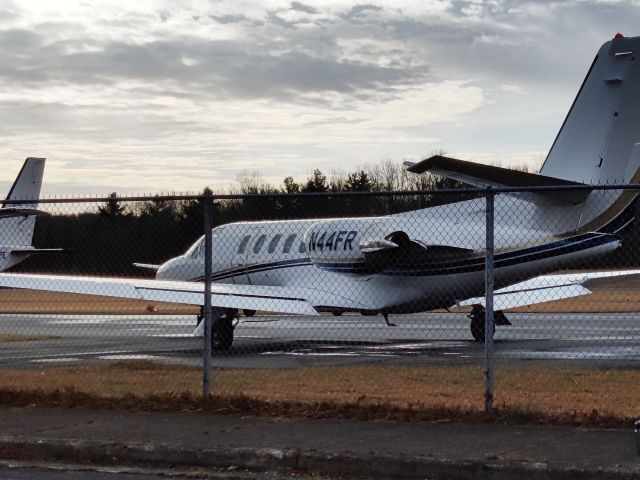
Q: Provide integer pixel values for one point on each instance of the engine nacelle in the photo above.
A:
(366, 245)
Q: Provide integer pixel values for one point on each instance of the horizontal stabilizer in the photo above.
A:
(481, 175)
(8, 212)
(545, 288)
(252, 297)
(147, 266)
(32, 251)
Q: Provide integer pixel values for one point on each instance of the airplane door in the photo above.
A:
(254, 253)
(239, 257)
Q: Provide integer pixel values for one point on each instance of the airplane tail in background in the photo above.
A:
(17, 220)
(27, 184)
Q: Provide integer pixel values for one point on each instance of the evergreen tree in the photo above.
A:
(358, 182)
(113, 208)
(316, 183)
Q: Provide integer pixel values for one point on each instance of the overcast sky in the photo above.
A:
(149, 96)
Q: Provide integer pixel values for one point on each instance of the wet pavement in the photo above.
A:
(287, 342)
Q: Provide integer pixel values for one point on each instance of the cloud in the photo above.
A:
(301, 7)
(201, 67)
(512, 88)
(281, 85)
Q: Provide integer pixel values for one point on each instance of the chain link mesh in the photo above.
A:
(397, 286)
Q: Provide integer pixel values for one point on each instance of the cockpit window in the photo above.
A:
(243, 244)
(289, 243)
(274, 243)
(259, 243)
(194, 251)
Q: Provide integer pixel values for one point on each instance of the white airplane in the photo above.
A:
(17, 220)
(433, 257)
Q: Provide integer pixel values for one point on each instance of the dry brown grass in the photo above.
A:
(11, 337)
(602, 300)
(525, 394)
(31, 301)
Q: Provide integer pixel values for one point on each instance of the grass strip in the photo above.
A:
(11, 337)
(244, 404)
(524, 395)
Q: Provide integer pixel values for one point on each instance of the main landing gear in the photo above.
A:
(477, 321)
(222, 327)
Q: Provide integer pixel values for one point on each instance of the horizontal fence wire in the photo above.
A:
(346, 194)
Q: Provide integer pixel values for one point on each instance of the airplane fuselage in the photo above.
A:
(329, 257)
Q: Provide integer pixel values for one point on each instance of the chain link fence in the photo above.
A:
(317, 292)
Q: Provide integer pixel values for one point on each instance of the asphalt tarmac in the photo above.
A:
(283, 342)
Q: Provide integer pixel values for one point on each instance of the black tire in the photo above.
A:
(337, 313)
(477, 329)
(248, 313)
(222, 334)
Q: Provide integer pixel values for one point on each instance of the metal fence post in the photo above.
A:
(488, 312)
(208, 258)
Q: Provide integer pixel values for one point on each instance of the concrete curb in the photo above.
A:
(266, 459)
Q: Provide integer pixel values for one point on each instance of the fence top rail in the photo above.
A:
(262, 196)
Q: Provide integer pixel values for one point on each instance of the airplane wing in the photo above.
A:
(271, 299)
(545, 289)
(481, 175)
(19, 211)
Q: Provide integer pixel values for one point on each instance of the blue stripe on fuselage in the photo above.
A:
(539, 252)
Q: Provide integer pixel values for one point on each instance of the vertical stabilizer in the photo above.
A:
(599, 141)
(18, 230)
(28, 183)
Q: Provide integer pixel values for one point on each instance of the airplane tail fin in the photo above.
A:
(28, 183)
(17, 220)
(599, 141)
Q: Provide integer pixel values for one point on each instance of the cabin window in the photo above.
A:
(274, 243)
(289, 243)
(301, 248)
(259, 243)
(243, 244)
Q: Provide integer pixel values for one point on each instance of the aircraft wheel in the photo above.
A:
(248, 313)
(337, 313)
(222, 333)
(477, 328)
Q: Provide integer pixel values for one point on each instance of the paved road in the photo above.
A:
(40, 473)
(277, 341)
(25, 471)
